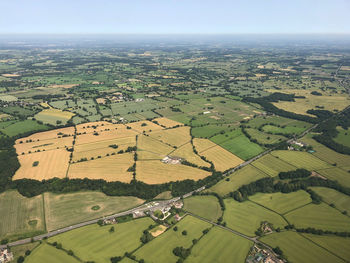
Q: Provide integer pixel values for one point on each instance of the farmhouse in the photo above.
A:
(171, 160)
(5, 255)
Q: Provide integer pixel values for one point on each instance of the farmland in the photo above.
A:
(205, 206)
(331, 196)
(53, 116)
(271, 165)
(47, 253)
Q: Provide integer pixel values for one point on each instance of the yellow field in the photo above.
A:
(186, 152)
(56, 113)
(156, 172)
(150, 126)
(48, 134)
(105, 135)
(112, 168)
(150, 148)
(174, 137)
(330, 102)
(52, 164)
(167, 122)
(64, 86)
(96, 126)
(221, 158)
(44, 145)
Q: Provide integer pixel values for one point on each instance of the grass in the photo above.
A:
(151, 252)
(301, 159)
(21, 249)
(320, 216)
(265, 138)
(223, 246)
(21, 127)
(331, 196)
(209, 130)
(282, 203)
(186, 152)
(343, 137)
(67, 209)
(52, 116)
(205, 206)
(17, 212)
(245, 217)
(243, 176)
(46, 253)
(272, 166)
(337, 174)
(337, 245)
(165, 195)
(298, 249)
(96, 243)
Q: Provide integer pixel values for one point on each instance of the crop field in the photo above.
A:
(301, 159)
(171, 239)
(51, 116)
(298, 249)
(95, 243)
(211, 130)
(67, 209)
(53, 163)
(20, 216)
(44, 145)
(320, 216)
(265, 138)
(343, 137)
(16, 128)
(174, 137)
(52, 134)
(46, 253)
(150, 148)
(206, 206)
(20, 250)
(336, 174)
(157, 172)
(272, 166)
(186, 152)
(104, 136)
(337, 245)
(235, 180)
(327, 154)
(144, 126)
(280, 202)
(331, 196)
(221, 158)
(223, 246)
(109, 168)
(168, 123)
(245, 217)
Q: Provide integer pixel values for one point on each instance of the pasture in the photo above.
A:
(54, 116)
(272, 166)
(336, 174)
(235, 180)
(280, 202)
(343, 137)
(265, 138)
(320, 216)
(223, 246)
(96, 243)
(331, 196)
(210, 130)
(206, 206)
(20, 216)
(46, 253)
(16, 128)
(67, 209)
(245, 217)
(171, 239)
(298, 249)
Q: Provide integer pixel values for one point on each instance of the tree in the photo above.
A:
(27, 253)
(20, 259)
(111, 230)
(175, 228)
(184, 233)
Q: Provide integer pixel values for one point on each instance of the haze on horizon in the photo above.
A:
(174, 17)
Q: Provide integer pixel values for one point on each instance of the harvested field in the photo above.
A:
(186, 152)
(51, 164)
(57, 133)
(158, 230)
(144, 126)
(156, 172)
(44, 145)
(149, 148)
(105, 135)
(174, 137)
(167, 122)
(272, 165)
(111, 168)
(97, 125)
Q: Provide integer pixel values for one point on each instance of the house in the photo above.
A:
(171, 160)
(5, 255)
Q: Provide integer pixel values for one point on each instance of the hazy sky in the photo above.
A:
(174, 16)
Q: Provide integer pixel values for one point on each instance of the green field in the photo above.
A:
(96, 243)
(320, 216)
(222, 246)
(282, 203)
(68, 209)
(343, 137)
(282, 130)
(204, 206)
(243, 176)
(209, 130)
(22, 127)
(298, 249)
(265, 138)
(245, 217)
(336, 174)
(161, 249)
(20, 216)
(272, 166)
(331, 196)
(46, 253)
(21, 249)
(301, 160)
(337, 245)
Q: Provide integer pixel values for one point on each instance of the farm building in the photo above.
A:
(5, 255)
(171, 160)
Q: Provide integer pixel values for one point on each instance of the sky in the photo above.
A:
(175, 16)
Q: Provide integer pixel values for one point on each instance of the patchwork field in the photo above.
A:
(149, 148)
(272, 166)
(95, 243)
(174, 137)
(245, 217)
(54, 116)
(20, 216)
(46, 253)
(223, 246)
(171, 239)
(320, 216)
(206, 206)
(298, 249)
(235, 180)
(16, 128)
(68, 209)
(282, 203)
(331, 196)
